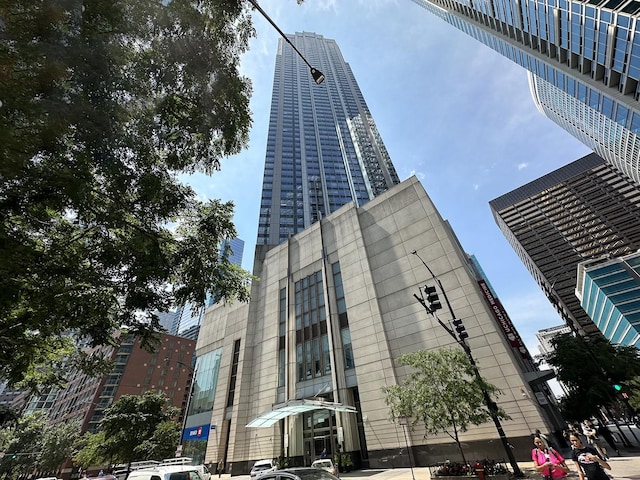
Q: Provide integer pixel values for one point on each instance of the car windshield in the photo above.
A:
(265, 466)
(185, 476)
(314, 474)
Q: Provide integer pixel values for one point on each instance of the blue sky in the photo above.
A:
(451, 111)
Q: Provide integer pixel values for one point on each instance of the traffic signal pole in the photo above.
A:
(431, 304)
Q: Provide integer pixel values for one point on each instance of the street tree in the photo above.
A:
(634, 395)
(103, 105)
(8, 415)
(589, 368)
(57, 446)
(162, 443)
(131, 421)
(23, 446)
(442, 393)
(90, 450)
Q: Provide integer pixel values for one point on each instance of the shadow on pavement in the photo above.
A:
(362, 473)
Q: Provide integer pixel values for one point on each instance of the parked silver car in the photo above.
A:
(302, 473)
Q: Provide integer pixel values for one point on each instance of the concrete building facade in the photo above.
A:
(584, 210)
(302, 365)
(545, 336)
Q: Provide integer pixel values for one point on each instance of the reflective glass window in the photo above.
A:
(622, 114)
(635, 123)
(607, 106)
(594, 99)
(634, 58)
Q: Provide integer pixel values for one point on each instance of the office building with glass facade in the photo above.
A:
(323, 147)
(584, 210)
(609, 291)
(584, 60)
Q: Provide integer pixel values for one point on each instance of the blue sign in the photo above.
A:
(201, 432)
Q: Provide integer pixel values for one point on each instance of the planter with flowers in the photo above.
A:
(489, 469)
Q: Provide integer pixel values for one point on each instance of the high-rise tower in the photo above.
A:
(584, 59)
(582, 211)
(323, 148)
(298, 369)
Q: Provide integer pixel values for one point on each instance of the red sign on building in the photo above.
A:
(504, 321)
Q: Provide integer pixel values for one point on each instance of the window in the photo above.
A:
(310, 323)
(348, 350)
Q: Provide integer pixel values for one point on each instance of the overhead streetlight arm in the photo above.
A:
(317, 75)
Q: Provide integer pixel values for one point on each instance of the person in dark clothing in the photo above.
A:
(605, 433)
(588, 462)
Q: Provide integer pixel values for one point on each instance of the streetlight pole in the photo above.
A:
(192, 371)
(460, 340)
(317, 75)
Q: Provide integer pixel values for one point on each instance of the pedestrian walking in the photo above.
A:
(589, 463)
(547, 461)
(592, 438)
(220, 468)
(605, 433)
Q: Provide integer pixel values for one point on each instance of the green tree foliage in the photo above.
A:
(589, 368)
(57, 446)
(23, 446)
(162, 444)
(90, 450)
(443, 393)
(32, 445)
(103, 105)
(134, 420)
(634, 393)
(8, 416)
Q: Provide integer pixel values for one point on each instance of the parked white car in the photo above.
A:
(174, 472)
(325, 464)
(263, 466)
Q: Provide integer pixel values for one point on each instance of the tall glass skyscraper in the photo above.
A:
(584, 59)
(323, 147)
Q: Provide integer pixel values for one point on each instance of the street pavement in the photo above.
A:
(624, 467)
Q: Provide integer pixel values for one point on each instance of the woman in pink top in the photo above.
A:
(548, 461)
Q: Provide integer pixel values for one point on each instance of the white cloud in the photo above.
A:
(522, 165)
(419, 175)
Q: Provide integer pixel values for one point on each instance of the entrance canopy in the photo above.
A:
(295, 407)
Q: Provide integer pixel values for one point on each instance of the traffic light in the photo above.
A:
(617, 387)
(462, 332)
(433, 303)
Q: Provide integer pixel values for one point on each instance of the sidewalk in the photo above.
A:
(625, 467)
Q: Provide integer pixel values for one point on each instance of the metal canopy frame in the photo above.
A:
(295, 407)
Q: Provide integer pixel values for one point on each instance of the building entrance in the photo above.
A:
(319, 434)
